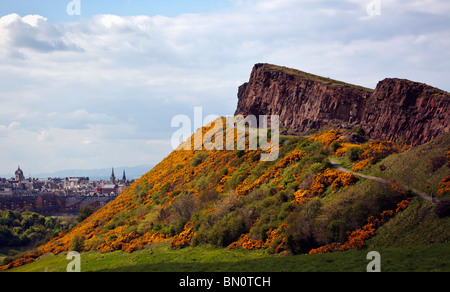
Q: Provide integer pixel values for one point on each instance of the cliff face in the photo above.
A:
(396, 110)
(404, 110)
(303, 101)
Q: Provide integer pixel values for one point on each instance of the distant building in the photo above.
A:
(17, 203)
(56, 196)
(113, 177)
(19, 175)
(5, 191)
(109, 188)
(47, 200)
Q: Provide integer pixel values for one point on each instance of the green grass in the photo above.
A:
(410, 167)
(417, 225)
(209, 259)
(309, 76)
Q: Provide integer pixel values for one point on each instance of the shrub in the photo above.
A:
(238, 176)
(84, 213)
(19, 229)
(361, 165)
(179, 225)
(377, 150)
(335, 146)
(202, 183)
(143, 190)
(228, 230)
(307, 181)
(327, 137)
(354, 153)
(163, 214)
(184, 206)
(227, 205)
(77, 243)
(437, 162)
(302, 231)
(165, 188)
(356, 239)
(442, 208)
(167, 230)
(301, 237)
(317, 167)
(240, 153)
(360, 131)
(199, 158)
(184, 238)
(448, 158)
(445, 187)
(351, 210)
(208, 196)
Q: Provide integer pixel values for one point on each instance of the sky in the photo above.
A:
(99, 88)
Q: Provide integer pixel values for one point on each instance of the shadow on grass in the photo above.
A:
(346, 262)
(428, 258)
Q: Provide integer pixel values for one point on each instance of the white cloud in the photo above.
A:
(31, 32)
(43, 136)
(33, 20)
(78, 119)
(13, 125)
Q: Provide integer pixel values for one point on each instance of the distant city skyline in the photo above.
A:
(103, 173)
(101, 88)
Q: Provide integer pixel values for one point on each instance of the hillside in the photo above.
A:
(419, 167)
(296, 204)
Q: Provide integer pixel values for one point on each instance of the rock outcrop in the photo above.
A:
(403, 110)
(397, 110)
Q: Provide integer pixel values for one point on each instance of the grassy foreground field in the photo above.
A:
(427, 258)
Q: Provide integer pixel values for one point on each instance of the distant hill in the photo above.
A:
(98, 174)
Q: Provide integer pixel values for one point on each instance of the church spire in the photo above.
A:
(113, 177)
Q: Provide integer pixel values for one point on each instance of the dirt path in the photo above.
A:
(339, 167)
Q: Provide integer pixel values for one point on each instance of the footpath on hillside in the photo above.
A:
(422, 194)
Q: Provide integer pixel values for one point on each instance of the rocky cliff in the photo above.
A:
(398, 110)
(403, 110)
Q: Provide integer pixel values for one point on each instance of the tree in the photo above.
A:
(442, 209)
(354, 153)
(437, 162)
(77, 243)
(5, 236)
(184, 206)
(84, 213)
(360, 131)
